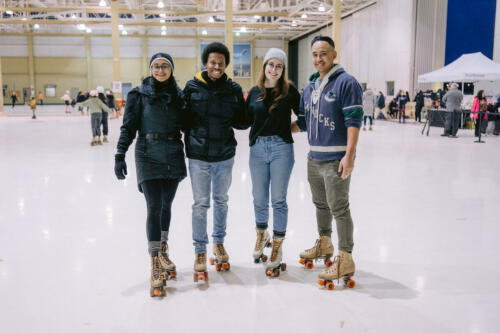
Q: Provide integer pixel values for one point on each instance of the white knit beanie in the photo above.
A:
(275, 53)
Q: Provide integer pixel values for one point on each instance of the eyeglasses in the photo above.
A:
(277, 67)
(162, 67)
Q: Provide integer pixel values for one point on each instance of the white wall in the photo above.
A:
(376, 45)
(13, 46)
(44, 46)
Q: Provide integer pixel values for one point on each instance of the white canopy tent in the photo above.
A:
(469, 67)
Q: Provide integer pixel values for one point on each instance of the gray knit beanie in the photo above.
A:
(275, 53)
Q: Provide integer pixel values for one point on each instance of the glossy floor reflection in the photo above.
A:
(73, 255)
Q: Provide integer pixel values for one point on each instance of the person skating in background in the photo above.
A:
(80, 98)
(13, 98)
(33, 106)
(332, 105)
(110, 98)
(369, 100)
(401, 101)
(40, 97)
(96, 106)
(104, 116)
(268, 108)
(380, 106)
(480, 104)
(67, 100)
(155, 110)
(216, 106)
(419, 104)
(453, 102)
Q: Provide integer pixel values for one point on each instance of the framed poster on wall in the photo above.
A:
(242, 64)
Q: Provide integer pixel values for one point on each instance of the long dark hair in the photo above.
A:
(480, 95)
(279, 92)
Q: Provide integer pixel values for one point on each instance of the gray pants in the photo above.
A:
(95, 122)
(452, 122)
(330, 194)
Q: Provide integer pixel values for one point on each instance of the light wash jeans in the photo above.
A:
(271, 163)
(206, 178)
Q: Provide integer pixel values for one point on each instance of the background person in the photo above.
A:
(453, 101)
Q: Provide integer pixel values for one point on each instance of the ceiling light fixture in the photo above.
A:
(256, 17)
(89, 30)
(102, 3)
(24, 19)
(81, 27)
(163, 28)
(124, 32)
(163, 33)
(162, 21)
(36, 26)
(73, 16)
(204, 32)
(304, 16)
(321, 8)
(237, 33)
(243, 29)
(294, 23)
(211, 19)
(120, 26)
(163, 15)
(9, 12)
(160, 4)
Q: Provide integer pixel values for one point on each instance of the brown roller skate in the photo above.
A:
(274, 266)
(263, 241)
(343, 268)
(157, 284)
(220, 258)
(167, 265)
(200, 267)
(322, 249)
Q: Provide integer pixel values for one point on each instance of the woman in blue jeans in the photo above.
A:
(268, 108)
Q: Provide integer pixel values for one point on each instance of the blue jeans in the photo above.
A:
(206, 178)
(271, 163)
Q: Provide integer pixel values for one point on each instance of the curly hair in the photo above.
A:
(215, 47)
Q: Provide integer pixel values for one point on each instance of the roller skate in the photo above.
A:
(93, 142)
(274, 266)
(322, 249)
(157, 284)
(105, 138)
(343, 268)
(200, 267)
(98, 141)
(220, 258)
(263, 241)
(167, 266)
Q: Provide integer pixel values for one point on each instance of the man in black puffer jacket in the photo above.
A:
(215, 105)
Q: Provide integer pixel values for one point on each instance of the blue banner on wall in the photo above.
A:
(470, 28)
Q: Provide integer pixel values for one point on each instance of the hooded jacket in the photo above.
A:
(368, 102)
(156, 112)
(214, 109)
(330, 106)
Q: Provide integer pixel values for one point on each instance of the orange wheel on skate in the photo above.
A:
(206, 276)
(351, 283)
(302, 261)
(225, 266)
(217, 267)
(277, 273)
(157, 292)
(269, 272)
(321, 282)
(264, 258)
(330, 286)
(328, 263)
(211, 261)
(201, 276)
(309, 265)
(195, 277)
(173, 275)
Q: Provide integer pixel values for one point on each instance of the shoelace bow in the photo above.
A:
(315, 248)
(260, 237)
(274, 253)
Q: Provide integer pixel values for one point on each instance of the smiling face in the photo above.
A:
(161, 70)
(323, 55)
(273, 71)
(216, 64)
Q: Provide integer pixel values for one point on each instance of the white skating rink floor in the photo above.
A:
(73, 251)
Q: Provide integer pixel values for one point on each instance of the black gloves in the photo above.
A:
(120, 166)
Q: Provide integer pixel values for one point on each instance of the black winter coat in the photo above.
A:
(214, 110)
(158, 114)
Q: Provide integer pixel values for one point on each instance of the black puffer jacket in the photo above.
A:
(156, 111)
(215, 108)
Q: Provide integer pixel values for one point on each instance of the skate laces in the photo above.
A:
(220, 249)
(156, 268)
(260, 240)
(201, 258)
(335, 267)
(275, 250)
(315, 248)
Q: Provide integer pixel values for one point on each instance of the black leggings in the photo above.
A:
(159, 194)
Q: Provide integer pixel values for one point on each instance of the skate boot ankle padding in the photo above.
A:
(322, 249)
(263, 241)
(167, 265)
